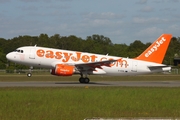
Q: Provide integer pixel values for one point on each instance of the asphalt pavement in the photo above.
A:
(96, 84)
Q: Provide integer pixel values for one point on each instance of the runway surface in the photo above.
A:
(98, 84)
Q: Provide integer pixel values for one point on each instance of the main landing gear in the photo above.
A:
(84, 79)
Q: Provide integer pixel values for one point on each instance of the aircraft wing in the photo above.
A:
(91, 66)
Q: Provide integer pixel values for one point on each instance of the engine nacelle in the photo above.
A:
(63, 70)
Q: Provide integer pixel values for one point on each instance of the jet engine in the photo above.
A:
(63, 70)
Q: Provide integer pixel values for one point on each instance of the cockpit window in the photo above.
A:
(19, 51)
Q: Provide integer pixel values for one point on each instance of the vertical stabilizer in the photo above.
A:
(157, 50)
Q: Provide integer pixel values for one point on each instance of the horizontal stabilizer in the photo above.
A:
(159, 68)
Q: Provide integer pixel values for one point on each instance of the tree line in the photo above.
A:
(94, 44)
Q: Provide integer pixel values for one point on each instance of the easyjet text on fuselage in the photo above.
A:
(77, 56)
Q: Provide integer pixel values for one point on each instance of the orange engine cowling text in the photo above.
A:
(63, 70)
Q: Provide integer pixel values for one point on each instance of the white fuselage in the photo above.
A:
(48, 58)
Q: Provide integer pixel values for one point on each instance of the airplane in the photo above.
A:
(66, 62)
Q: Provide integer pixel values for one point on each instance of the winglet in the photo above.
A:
(156, 51)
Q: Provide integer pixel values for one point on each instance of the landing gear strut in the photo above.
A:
(30, 72)
(84, 79)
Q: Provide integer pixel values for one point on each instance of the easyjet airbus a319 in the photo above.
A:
(66, 62)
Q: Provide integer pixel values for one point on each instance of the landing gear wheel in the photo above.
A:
(81, 80)
(29, 74)
(86, 80)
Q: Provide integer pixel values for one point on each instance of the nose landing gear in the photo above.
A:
(30, 72)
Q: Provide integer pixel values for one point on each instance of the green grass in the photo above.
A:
(79, 103)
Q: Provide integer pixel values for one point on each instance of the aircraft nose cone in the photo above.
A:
(9, 56)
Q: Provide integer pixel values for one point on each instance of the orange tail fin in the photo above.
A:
(156, 51)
